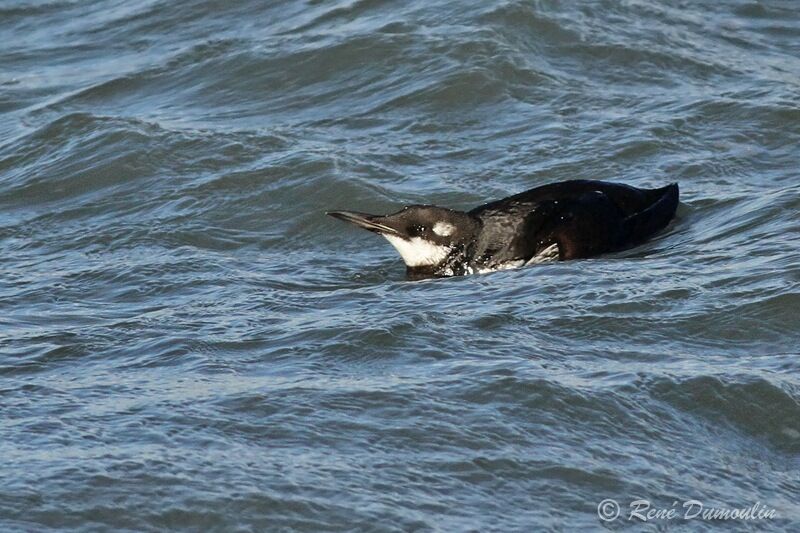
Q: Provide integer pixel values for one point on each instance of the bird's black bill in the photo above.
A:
(364, 220)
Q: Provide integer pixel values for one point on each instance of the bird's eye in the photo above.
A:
(417, 230)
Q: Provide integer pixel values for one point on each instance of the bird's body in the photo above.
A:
(560, 221)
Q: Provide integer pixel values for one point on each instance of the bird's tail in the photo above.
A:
(640, 226)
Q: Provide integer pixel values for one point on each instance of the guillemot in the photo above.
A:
(559, 221)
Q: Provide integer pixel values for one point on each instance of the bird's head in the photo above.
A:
(424, 235)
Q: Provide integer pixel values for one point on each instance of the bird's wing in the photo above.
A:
(582, 226)
(629, 200)
(582, 217)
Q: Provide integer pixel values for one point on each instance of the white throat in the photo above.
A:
(418, 252)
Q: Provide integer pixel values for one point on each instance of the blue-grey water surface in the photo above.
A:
(188, 343)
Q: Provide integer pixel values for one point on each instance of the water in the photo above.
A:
(188, 343)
